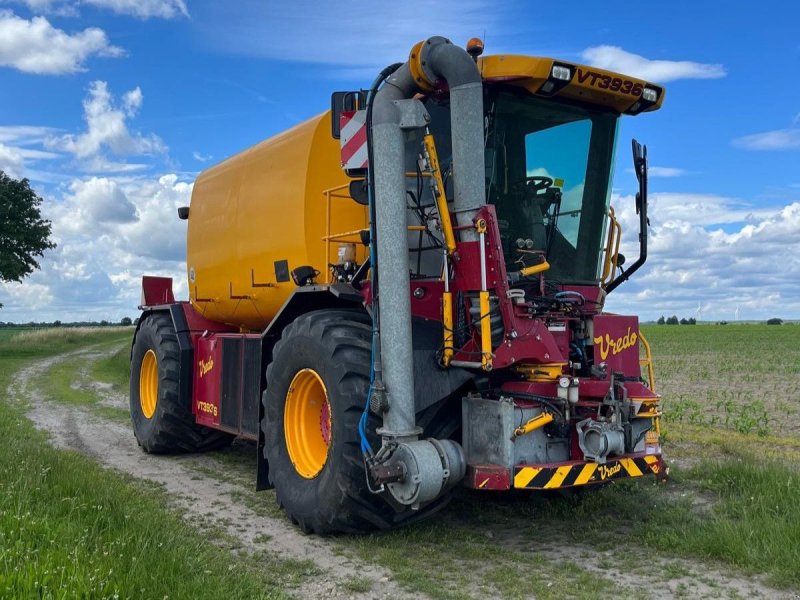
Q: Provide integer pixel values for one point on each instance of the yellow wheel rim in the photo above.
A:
(307, 423)
(148, 384)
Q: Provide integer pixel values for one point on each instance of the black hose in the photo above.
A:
(373, 248)
(547, 401)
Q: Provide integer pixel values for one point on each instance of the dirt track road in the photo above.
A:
(209, 492)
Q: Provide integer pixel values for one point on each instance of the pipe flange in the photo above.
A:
(419, 64)
(415, 66)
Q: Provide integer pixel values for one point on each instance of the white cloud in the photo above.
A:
(15, 156)
(715, 251)
(107, 129)
(165, 9)
(110, 231)
(615, 58)
(33, 296)
(11, 161)
(780, 139)
(25, 134)
(36, 46)
(98, 202)
(143, 9)
(201, 157)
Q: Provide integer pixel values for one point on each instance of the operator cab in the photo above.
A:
(548, 171)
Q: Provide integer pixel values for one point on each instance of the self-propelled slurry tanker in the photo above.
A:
(405, 294)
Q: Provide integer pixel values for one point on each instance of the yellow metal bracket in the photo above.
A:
(535, 423)
(437, 185)
(613, 238)
(647, 362)
(535, 269)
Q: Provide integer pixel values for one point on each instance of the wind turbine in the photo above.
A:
(697, 311)
(736, 314)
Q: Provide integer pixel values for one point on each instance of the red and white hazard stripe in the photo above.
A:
(353, 139)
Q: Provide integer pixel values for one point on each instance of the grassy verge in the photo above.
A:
(69, 526)
(114, 370)
(754, 521)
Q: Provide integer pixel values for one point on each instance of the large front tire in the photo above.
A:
(313, 450)
(162, 421)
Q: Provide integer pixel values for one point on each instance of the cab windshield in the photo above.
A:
(548, 173)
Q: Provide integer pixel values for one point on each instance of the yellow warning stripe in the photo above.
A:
(558, 478)
(630, 467)
(525, 476)
(581, 474)
(586, 473)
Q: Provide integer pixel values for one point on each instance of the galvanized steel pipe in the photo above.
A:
(432, 62)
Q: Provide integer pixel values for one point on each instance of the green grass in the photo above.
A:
(358, 584)
(754, 524)
(116, 369)
(67, 382)
(69, 528)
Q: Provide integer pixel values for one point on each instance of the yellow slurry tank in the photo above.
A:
(261, 213)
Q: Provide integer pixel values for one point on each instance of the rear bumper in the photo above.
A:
(562, 475)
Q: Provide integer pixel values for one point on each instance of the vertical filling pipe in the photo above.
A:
(432, 63)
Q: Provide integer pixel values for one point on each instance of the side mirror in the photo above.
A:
(640, 167)
(639, 159)
(345, 101)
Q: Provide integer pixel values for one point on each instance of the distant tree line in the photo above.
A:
(124, 322)
(673, 320)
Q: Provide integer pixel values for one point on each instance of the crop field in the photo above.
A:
(93, 517)
(740, 381)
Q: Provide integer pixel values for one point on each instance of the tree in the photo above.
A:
(24, 235)
(692, 321)
(661, 320)
(126, 321)
(775, 321)
(684, 321)
(673, 320)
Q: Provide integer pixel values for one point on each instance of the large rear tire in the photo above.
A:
(162, 421)
(317, 385)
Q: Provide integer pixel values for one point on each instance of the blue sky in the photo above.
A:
(112, 107)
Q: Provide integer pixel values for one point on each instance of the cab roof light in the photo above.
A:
(560, 76)
(561, 73)
(650, 94)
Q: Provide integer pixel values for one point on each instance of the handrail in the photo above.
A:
(647, 361)
(330, 193)
(613, 241)
(329, 237)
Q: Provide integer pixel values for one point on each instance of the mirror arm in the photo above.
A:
(640, 166)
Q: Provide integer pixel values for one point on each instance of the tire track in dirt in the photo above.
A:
(200, 498)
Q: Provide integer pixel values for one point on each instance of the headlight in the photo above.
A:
(562, 73)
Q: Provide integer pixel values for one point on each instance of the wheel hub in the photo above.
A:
(148, 384)
(307, 423)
